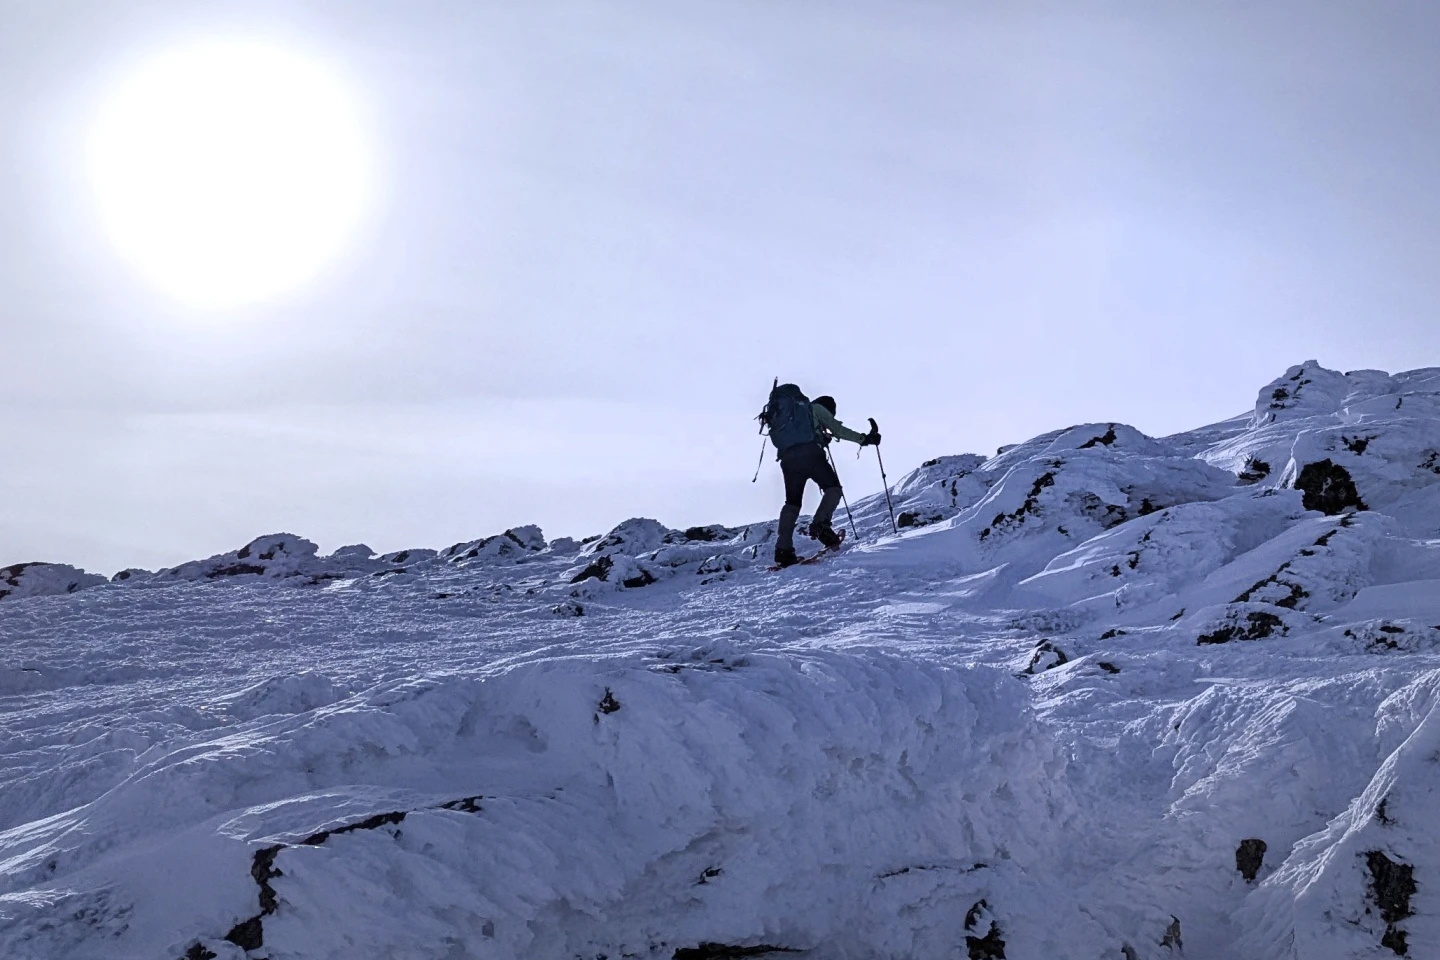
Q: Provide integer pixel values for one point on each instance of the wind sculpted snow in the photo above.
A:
(1104, 695)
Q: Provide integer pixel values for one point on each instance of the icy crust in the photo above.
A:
(565, 807)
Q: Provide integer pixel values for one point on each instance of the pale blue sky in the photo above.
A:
(603, 228)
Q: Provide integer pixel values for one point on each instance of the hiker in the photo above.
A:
(800, 431)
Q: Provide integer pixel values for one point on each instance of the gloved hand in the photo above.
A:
(873, 438)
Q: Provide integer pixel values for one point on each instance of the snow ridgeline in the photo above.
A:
(1202, 722)
(1041, 509)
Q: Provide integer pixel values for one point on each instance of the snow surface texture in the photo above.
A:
(1105, 695)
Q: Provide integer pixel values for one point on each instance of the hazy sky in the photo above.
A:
(601, 229)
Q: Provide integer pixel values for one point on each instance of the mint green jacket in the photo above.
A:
(827, 426)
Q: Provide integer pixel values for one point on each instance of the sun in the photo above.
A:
(230, 172)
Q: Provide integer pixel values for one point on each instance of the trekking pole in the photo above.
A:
(885, 480)
(843, 499)
(761, 462)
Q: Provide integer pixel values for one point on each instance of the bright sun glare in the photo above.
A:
(229, 173)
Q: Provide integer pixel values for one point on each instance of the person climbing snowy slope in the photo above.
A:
(801, 430)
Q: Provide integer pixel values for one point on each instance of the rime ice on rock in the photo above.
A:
(44, 579)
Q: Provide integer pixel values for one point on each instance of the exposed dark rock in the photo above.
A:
(643, 580)
(464, 804)
(1432, 462)
(1147, 507)
(1297, 593)
(10, 576)
(599, 569)
(988, 947)
(262, 870)
(1107, 666)
(1107, 439)
(1256, 626)
(921, 867)
(911, 518)
(234, 570)
(608, 703)
(1172, 935)
(1395, 938)
(1106, 514)
(1112, 633)
(1357, 445)
(701, 534)
(720, 564)
(1328, 487)
(725, 951)
(1392, 885)
(1278, 398)
(708, 874)
(1046, 657)
(369, 823)
(248, 934)
(1382, 814)
(1255, 471)
(1249, 857)
(1028, 508)
(1290, 601)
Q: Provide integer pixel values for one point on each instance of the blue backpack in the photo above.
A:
(789, 417)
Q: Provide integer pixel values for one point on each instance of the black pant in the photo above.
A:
(800, 463)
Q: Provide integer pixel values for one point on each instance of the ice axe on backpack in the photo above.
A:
(875, 432)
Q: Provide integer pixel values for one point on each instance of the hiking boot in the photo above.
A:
(826, 535)
(786, 557)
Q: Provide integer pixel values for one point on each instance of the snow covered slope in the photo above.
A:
(1105, 695)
